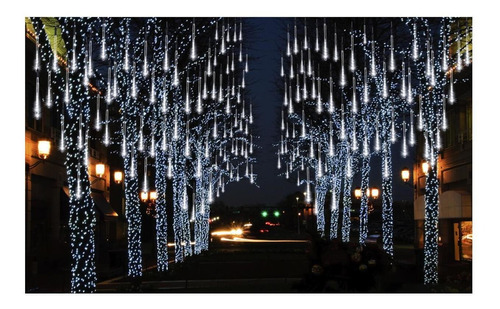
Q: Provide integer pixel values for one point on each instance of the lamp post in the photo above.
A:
(357, 193)
(150, 199)
(431, 238)
(117, 192)
(298, 215)
(100, 170)
(425, 167)
(405, 174)
(371, 194)
(43, 149)
(118, 176)
(43, 153)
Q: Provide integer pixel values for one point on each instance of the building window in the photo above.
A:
(94, 153)
(466, 240)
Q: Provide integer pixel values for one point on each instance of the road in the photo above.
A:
(237, 263)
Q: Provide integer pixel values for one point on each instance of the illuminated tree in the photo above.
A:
(63, 53)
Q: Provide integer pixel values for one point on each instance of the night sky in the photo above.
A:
(266, 40)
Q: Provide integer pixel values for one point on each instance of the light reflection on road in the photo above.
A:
(239, 239)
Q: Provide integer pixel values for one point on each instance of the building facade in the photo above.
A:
(47, 254)
(455, 180)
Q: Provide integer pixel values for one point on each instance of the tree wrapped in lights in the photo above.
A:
(216, 107)
(434, 69)
(383, 121)
(220, 109)
(72, 98)
(333, 129)
(347, 195)
(195, 110)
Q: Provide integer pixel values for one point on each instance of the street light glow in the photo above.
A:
(144, 196)
(425, 167)
(357, 193)
(118, 177)
(99, 170)
(43, 149)
(405, 174)
(375, 193)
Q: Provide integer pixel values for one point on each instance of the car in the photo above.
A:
(372, 239)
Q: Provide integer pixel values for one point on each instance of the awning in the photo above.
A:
(66, 190)
(100, 202)
(452, 204)
(103, 206)
(455, 204)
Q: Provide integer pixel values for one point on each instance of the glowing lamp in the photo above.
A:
(99, 170)
(405, 174)
(357, 192)
(425, 167)
(153, 195)
(144, 196)
(368, 192)
(43, 149)
(375, 193)
(118, 177)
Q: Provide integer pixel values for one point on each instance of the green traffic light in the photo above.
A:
(276, 213)
(264, 214)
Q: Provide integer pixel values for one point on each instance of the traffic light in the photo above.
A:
(264, 213)
(276, 213)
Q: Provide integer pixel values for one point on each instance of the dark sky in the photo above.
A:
(266, 39)
(263, 42)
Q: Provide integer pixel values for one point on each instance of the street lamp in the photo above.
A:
(149, 198)
(375, 193)
(153, 196)
(43, 149)
(298, 215)
(43, 153)
(405, 174)
(99, 170)
(118, 175)
(144, 196)
(425, 167)
(298, 222)
(371, 194)
(357, 193)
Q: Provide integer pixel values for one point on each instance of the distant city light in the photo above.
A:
(237, 232)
